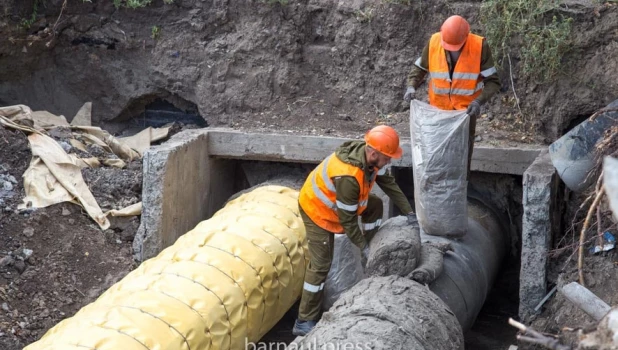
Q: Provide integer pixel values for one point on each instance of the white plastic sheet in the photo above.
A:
(440, 163)
(345, 271)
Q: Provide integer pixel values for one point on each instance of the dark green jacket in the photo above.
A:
(491, 82)
(348, 189)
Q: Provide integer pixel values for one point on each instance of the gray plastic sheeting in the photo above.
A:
(345, 271)
(573, 154)
(440, 162)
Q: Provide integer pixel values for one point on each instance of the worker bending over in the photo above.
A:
(334, 195)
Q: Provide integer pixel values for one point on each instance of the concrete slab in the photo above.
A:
(224, 143)
(540, 217)
(182, 186)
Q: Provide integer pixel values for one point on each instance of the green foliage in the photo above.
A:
(365, 15)
(155, 32)
(542, 40)
(544, 48)
(26, 23)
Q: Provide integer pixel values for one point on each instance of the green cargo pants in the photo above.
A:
(321, 246)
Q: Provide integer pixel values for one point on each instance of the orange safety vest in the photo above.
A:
(318, 196)
(466, 84)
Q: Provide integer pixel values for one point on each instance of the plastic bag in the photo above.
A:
(440, 162)
(345, 271)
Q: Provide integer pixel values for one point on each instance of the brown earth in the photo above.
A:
(71, 260)
(313, 66)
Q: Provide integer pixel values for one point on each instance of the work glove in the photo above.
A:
(474, 109)
(412, 220)
(409, 95)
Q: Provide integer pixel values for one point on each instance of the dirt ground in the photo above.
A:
(55, 260)
(316, 67)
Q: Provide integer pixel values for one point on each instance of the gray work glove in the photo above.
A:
(474, 109)
(412, 220)
(409, 94)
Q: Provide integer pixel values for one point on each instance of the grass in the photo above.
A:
(541, 39)
(365, 15)
(155, 32)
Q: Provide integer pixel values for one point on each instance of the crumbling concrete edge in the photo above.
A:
(540, 192)
(149, 239)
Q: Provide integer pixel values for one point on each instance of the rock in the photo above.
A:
(28, 232)
(5, 307)
(72, 221)
(6, 261)
(478, 138)
(7, 186)
(66, 212)
(20, 266)
(27, 253)
(61, 133)
(65, 146)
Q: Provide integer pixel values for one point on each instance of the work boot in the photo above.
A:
(301, 328)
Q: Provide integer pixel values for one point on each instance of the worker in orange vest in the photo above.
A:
(334, 195)
(461, 69)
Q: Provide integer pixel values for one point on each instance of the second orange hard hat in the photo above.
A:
(385, 140)
(454, 33)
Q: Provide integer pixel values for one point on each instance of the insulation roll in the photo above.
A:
(221, 285)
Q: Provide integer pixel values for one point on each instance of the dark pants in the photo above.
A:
(321, 246)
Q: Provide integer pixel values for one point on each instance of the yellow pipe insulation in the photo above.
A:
(223, 284)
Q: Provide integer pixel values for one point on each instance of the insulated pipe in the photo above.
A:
(220, 286)
(383, 313)
(470, 269)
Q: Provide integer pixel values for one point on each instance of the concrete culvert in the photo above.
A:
(386, 313)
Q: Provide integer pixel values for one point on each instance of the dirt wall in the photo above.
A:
(318, 66)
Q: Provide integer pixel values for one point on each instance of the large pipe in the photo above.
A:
(221, 285)
(470, 269)
(397, 312)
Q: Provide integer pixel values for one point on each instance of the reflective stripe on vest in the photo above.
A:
(456, 91)
(318, 196)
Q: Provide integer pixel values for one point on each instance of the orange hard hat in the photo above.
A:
(385, 140)
(454, 33)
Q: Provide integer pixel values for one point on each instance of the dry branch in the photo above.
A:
(534, 337)
(582, 235)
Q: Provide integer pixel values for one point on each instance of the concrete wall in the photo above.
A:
(313, 149)
(182, 186)
(540, 219)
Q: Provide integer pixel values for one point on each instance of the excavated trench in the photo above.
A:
(480, 279)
